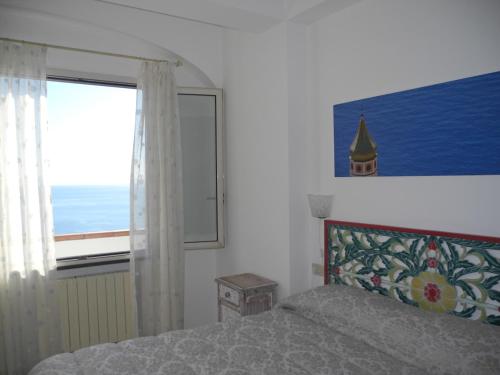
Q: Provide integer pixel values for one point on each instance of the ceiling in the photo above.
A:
(246, 15)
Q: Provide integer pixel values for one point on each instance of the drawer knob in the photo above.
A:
(227, 295)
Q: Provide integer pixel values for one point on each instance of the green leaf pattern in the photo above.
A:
(390, 262)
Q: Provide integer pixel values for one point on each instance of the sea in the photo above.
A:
(451, 128)
(83, 209)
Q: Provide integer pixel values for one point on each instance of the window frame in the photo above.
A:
(219, 166)
(102, 259)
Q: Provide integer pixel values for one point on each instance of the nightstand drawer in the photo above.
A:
(229, 295)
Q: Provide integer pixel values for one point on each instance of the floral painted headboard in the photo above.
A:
(437, 271)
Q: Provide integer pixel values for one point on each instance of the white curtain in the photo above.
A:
(157, 222)
(29, 324)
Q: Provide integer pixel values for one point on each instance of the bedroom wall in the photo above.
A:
(257, 190)
(379, 47)
(268, 164)
(101, 27)
(300, 167)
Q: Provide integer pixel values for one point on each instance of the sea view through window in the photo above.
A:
(91, 129)
(90, 146)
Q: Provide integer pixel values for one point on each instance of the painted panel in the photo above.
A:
(436, 271)
(444, 129)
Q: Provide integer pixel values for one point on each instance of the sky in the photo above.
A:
(91, 132)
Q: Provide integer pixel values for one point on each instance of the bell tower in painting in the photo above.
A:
(363, 152)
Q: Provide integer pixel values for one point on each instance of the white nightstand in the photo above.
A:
(244, 294)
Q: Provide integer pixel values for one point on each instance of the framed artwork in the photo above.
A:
(447, 129)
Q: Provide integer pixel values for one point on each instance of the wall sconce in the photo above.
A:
(320, 205)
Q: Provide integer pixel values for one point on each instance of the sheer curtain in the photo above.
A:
(157, 222)
(29, 324)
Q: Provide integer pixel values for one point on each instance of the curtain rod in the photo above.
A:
(131, 57)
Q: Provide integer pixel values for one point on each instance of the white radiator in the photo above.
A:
(95, 309)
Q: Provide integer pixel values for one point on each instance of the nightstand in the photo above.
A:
(244, 294)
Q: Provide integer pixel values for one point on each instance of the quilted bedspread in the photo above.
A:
(327, 330)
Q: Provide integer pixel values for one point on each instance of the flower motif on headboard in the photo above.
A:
(435, 271)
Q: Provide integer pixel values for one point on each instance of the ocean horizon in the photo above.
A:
(90, 208)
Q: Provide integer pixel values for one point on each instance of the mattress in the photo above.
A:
(305, 334)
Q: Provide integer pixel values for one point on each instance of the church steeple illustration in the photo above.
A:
(363, 152)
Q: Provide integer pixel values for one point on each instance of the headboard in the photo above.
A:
(437, 271)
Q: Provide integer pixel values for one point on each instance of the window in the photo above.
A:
(200, 112)
(91, 128)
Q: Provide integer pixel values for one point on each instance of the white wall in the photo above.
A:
(379, 47)
(53, 21)
(269, 147)
(300, 148)
(98, 26)
(257, 187)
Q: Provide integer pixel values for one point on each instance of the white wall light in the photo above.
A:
(320, 205)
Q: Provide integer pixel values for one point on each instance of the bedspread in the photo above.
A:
(276, 342)
(299, 336)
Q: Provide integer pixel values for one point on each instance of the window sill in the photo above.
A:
(93, 265)
(87, 236)
(83, 254)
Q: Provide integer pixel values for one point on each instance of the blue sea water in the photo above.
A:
(83, 209)
(451, 128)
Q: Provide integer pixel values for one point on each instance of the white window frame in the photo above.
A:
(219, 146)
(101, 259)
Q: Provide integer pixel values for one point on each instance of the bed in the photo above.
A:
(347, 326)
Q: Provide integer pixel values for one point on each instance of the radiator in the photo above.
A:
(95, 309)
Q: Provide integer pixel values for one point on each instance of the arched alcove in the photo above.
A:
(62, 31)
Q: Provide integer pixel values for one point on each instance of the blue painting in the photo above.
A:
(451, 128)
